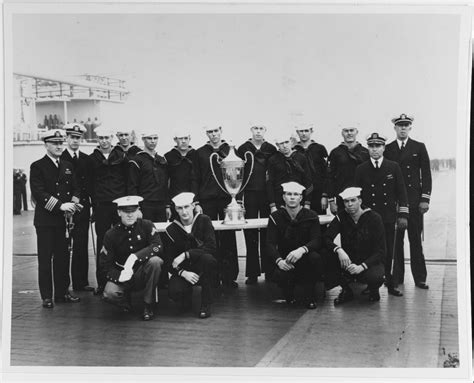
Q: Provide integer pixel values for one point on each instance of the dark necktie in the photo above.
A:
(74, 157)
(376, 164)
(57, 163)
(403, 146)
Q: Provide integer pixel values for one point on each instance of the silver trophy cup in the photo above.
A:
(232, 168)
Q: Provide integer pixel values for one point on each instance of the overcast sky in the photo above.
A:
(280, 70)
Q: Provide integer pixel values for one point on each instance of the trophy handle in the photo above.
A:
(251, 169)
(213, 173)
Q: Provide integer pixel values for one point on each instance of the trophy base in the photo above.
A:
(234, 215)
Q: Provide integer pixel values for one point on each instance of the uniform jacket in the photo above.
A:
(201, 240)
(148, 177)
(383, 189)
(181, 171)
(415, 165)
(120, 241)
(342, 164)
(283, 169)
(207, 185)
(285, 235)
(317, 155)
(257, 180)
(363, 241)
(51, 187)
(81, 168)
(109, 176)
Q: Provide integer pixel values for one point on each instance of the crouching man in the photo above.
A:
(131, 257)
(190, 245)
(293, 239)
(362, 252)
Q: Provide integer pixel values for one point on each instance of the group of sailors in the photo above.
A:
(376, 193)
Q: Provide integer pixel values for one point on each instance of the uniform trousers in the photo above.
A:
(205, 265)
(256, 206)
(228, 264)
(373, 277)
(52, 251)
(105, 217)
(417, 259)
(145, 278)
(17, 202)
(307, 271)
(23, 196)
(155, 211)
(80, 249)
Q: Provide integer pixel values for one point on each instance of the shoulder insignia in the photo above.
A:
(104, 250)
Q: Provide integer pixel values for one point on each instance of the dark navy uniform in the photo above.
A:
(140, 239)
(181, 171)
(51, 186)
(109, 182)
(283, 169)
(131, 152)
(342, 164)
(80, 234)
(148, 178)
(285, 235)
(415, 166)
(200, 246)
(256, 206)
(383, 190)
(317, 155)
(213, 201)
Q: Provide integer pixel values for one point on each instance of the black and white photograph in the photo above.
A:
(237, 190)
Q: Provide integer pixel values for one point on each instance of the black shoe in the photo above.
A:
(374, 295)
(67, 298)
(344, 296)
(311, 304)
(251, 281)
(205, 311)
(230, 284)
(147, 313)
(48, 303)
(126, 308)
(99, 290)
(422, 285)
(395, 292)
(84, 288)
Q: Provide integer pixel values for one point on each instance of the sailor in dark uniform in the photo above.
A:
(54, 188)
(317, 155)
(131, 258)
(125, 143)
(181, 161)
(342, 163)
(287, 165)
(383, 190)
(362, 252)
(256, 202)
(190, 245)
(212, 200)
(414, 161)
(293, 242)
(109, 182)
(148, 178)
(80, 234)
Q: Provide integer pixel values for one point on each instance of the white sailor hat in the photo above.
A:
(150, 132)
(123, 130)
(292, 187)
(258, 124)
(375, 138)
(210, 127)
(403, 119)
(102, 131)
(304, 127)
(183, 199)
(56, 135)
(181, 132)
(75, 129)
(282, 137)
(350, 192)
(130, 201)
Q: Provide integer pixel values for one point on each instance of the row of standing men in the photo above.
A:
(111, 172)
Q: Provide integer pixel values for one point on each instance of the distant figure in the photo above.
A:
(55, 122)
(16, 192)
(89, 129)
(23, 189)
(46, 121)
(50, 122)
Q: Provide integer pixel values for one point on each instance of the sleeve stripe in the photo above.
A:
(51, 203)
(425, 196)
(273, 220)
(166, 231)
(403, 210)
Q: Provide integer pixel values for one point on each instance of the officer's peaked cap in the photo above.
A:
(375, 138)
(56, 135)
(75, 129)
(402, 119)
(128, 201)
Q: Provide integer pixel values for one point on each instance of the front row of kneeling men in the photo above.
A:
(134, 255)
